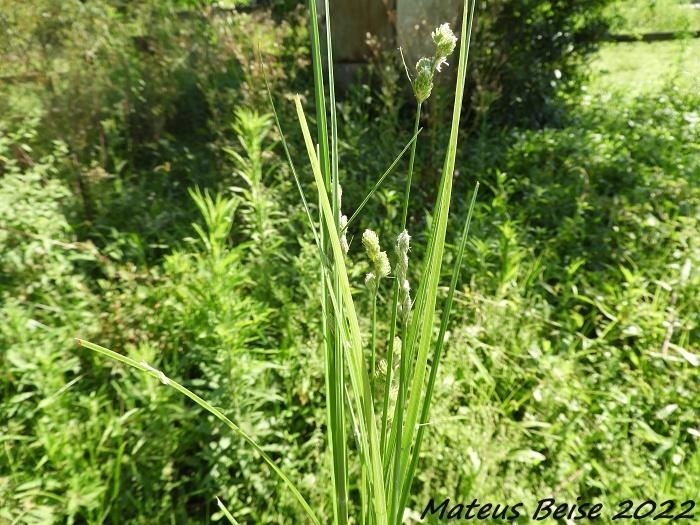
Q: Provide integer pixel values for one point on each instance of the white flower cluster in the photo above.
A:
(402, 247)
(378, 259)
(445, 43)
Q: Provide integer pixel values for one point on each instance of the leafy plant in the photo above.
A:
(261, 211)
(383, 490)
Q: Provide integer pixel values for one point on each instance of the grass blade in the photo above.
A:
(437, 355)
(228, 515)
(379, 182)
(145, 367)
(319, 93)
(285, 146)
(359, 379)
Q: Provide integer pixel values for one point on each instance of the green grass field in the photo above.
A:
(642, 68)
(646, 16)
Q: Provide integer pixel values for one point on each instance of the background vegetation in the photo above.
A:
(130, 134)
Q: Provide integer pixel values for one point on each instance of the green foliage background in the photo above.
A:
(145, 205)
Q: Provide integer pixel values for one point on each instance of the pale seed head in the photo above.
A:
(378, 258)
(402, 248)
(423, 84)
(445, 41)
(344, 238)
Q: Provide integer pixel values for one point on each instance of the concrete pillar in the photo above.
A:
(405, 23)
(353, 20)
(416, 19)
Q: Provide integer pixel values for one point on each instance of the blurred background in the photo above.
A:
(131, 132)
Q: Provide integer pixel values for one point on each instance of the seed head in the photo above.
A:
(445, 42)
(378, 259)
(370, 240)
(403, 242)
(381, 367)
(423, 84)
(344, 238)
(402, 248)
(384, 268)
(343, 223)
(371, 281)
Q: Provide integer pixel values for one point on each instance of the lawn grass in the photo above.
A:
(641, 68)
(647, 16)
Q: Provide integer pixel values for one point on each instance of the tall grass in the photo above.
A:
(388, 444)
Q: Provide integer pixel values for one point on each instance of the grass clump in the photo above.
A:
(387, 458)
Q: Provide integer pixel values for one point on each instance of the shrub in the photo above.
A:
(529, 52)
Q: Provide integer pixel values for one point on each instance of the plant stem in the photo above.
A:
(395, 291)
(398, 416)
(373, 346)
(412, 158)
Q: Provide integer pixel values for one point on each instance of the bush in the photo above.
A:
(142, 95)
(528, 53)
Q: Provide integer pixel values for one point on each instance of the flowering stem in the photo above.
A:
(412, 158)
(395, 296)
(398, 416)
(373, 348)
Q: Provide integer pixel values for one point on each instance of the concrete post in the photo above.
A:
(405, 23)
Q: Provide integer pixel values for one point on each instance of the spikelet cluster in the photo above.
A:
(423, 84)
(393, 389)
(445, 42)
(343, 236)
(343, 223)
(402, 246)
(378, 259)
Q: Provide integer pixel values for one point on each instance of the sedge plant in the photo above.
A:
(386, 430)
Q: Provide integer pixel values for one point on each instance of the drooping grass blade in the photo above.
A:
(145, 367)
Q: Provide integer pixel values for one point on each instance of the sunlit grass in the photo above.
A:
(641, 68)
(646, 16)
(357, 416)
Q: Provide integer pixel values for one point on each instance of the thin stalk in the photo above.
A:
(363, 484)
(394, 508)
(421, 331)
(389, 371)
(437, 353)
(373, 343)
(409, 178)
(395, 290)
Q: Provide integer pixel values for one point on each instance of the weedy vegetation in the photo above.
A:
(301, 329)
(387, 460)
